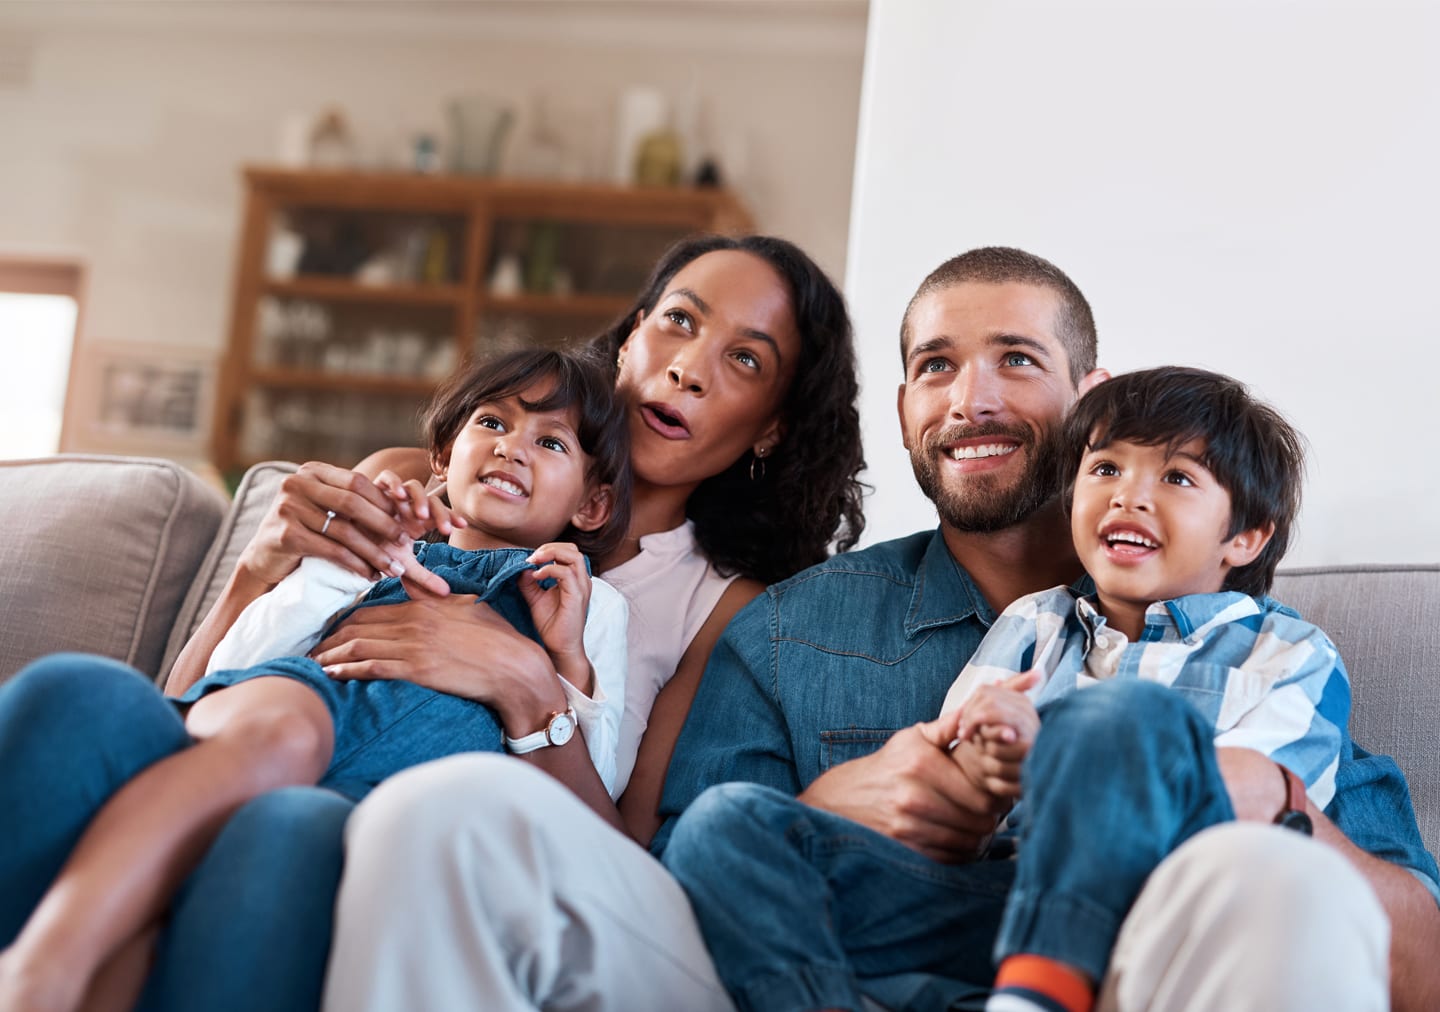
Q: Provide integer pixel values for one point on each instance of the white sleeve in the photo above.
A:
(288, 619)
(599, 715)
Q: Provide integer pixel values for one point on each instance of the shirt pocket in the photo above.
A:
(838, 747)
(1222, 693)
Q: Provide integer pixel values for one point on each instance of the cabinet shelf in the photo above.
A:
(328, 289)
(558, 305)
(321, 379)
(595, 242)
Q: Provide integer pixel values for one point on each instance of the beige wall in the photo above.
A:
(123, 124)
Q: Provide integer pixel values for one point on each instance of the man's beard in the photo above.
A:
(979, 504)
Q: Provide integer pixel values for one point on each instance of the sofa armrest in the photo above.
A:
(98, 554)
(252, 500)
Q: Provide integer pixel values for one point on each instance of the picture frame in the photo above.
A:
(140, 399)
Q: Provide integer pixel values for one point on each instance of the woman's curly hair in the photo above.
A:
(808, 495)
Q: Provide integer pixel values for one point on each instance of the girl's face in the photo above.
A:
(518, 476)
(705, 373)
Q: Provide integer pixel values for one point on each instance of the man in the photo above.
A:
(814, 679)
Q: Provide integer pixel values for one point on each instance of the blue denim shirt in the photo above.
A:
(826, 666)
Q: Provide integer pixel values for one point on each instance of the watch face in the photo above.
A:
(1297, 820)
(561, 729)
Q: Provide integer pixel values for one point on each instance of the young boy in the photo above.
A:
(534, 448)
(1182, 491)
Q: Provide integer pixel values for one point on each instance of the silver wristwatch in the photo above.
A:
(559, 729)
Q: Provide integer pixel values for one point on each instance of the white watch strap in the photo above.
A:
(538, 739)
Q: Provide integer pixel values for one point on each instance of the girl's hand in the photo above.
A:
(419, 511)
(362, 536)
(560, 611)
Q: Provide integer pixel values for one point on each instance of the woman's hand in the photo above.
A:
(363, 535)
(453, 644)
(559, 611)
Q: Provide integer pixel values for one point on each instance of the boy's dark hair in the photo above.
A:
(999, 265)
(579, 384)
(1251, 450)
(808, 493)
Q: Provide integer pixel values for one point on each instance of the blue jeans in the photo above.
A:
(803, 909)
(250, 928)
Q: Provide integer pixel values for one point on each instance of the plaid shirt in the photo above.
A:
(1264, 677)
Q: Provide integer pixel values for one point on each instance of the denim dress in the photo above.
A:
(384, 726)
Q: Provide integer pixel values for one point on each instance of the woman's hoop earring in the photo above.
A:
(759, 458)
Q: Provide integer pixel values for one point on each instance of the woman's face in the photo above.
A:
(705, 373)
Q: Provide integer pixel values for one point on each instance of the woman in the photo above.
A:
(509, 893)
(741, 380)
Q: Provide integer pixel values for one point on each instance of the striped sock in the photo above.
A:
(1036, 984)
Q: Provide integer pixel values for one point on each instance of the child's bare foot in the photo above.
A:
(33, 986)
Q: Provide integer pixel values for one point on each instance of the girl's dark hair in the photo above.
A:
(581, 385)
(808, 495)
(1251, 450)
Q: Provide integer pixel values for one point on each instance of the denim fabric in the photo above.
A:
(1121, 775)
(385, 726)
(824, 667)
(802, 909)
(250, 927)
(1250, 665)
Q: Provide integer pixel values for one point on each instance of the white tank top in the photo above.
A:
(671, 588)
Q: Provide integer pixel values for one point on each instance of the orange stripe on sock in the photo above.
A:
(1056, 980)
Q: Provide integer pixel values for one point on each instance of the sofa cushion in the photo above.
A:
(1386, 622)
(252, 499)
(98, 554)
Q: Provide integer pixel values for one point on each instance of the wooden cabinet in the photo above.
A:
(357, 293)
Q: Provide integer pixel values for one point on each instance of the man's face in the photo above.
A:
(987, 383)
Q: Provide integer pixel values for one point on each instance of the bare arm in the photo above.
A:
(640, 804)
(360, 538)
(1257, 793)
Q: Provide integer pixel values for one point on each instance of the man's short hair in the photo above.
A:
(998, 265)
(1250, 449)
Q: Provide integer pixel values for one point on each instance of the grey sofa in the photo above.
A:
(123, 556)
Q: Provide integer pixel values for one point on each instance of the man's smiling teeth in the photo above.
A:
(502, 485)
(1132, 537)
(976, 452)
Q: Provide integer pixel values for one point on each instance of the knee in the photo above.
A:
(84, 697)
(1127, 714)
(279, 746)
(724, 815)
(462, 805)
(74, 686)
(1296, 874)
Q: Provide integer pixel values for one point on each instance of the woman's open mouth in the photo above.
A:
(665, 420)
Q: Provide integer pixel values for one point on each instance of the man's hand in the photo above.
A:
(912, 791)
(1256, 785)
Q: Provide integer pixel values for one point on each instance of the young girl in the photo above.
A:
(533, 449)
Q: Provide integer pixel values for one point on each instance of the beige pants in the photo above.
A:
(479, 883)
(1245, 916)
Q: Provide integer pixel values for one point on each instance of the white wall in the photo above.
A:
(123, 124)
(1246, 187)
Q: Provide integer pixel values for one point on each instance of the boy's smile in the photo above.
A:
(1151, 524)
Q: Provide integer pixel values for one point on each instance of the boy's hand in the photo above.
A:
(997, 726)
(560, 611)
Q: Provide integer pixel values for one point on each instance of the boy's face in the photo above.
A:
(1151, 525)
(518, 477)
